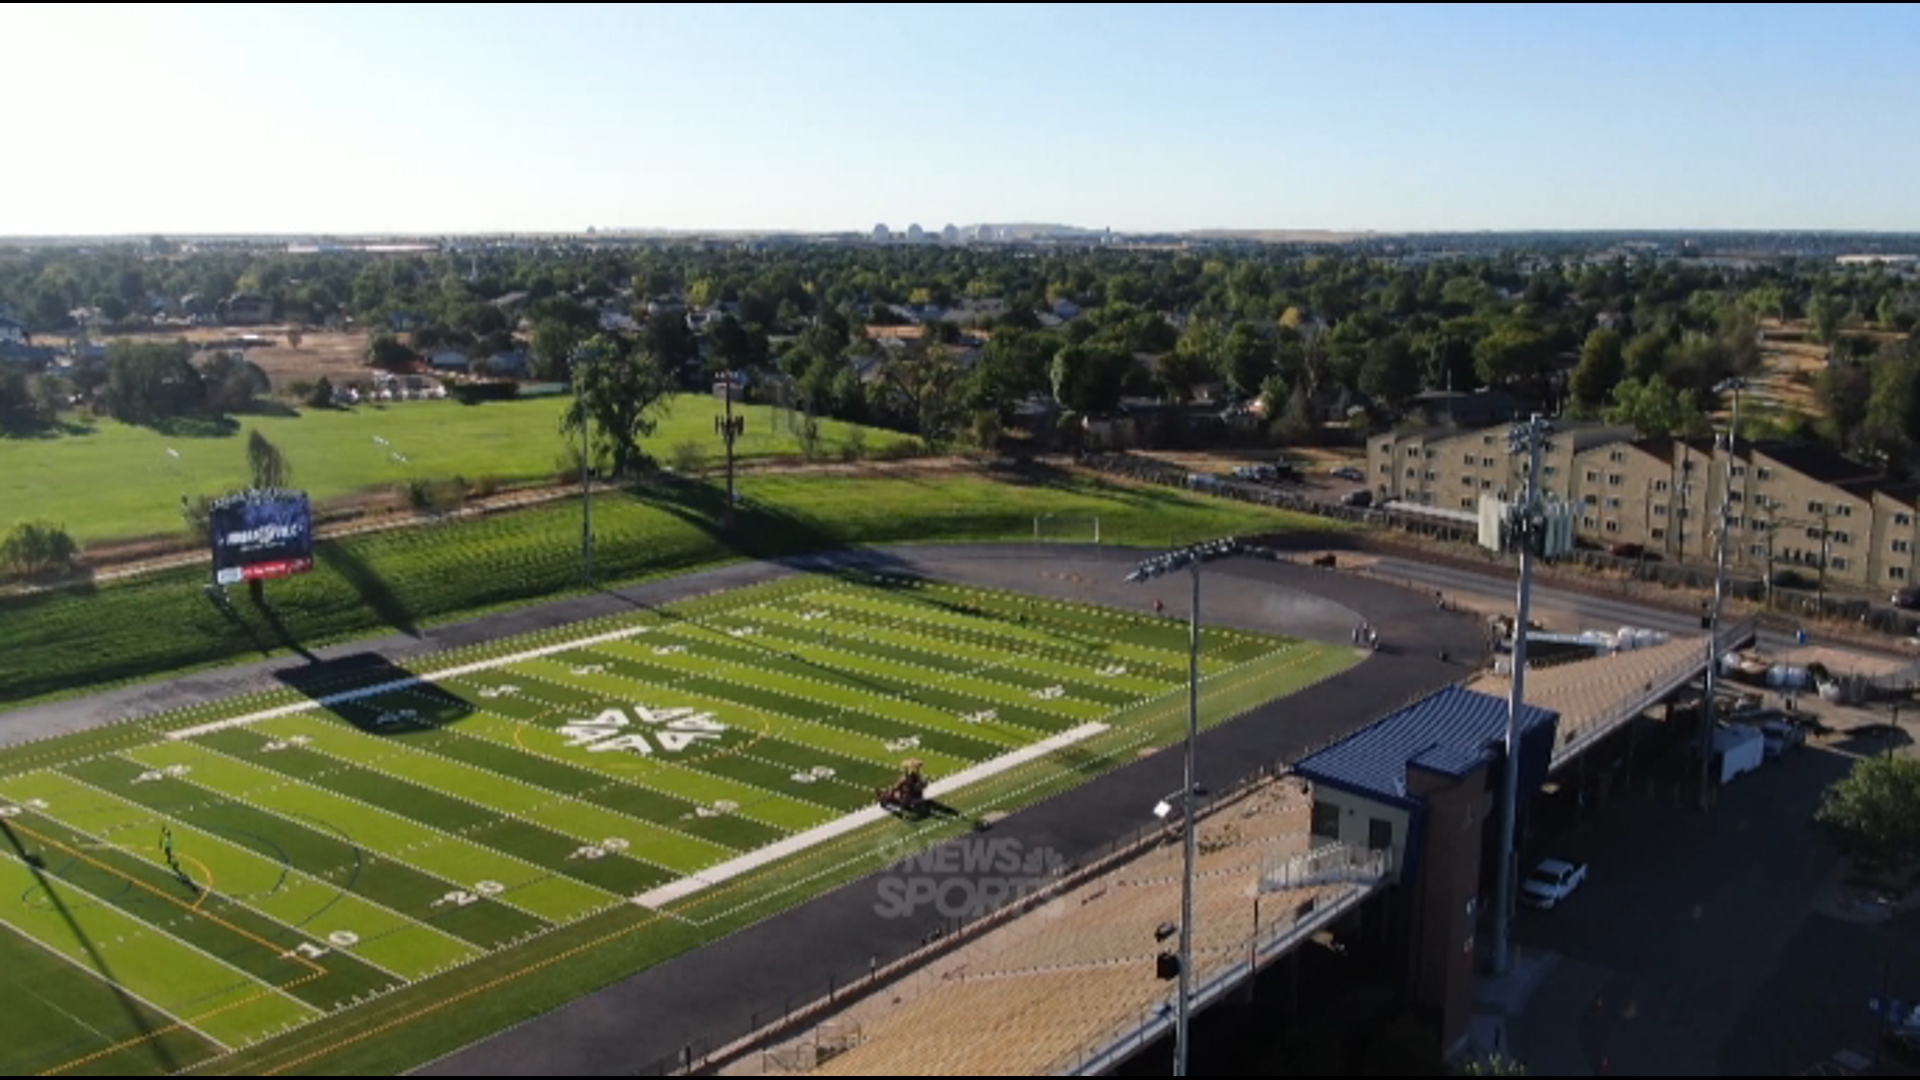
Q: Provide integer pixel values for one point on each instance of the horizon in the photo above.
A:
(410, 120)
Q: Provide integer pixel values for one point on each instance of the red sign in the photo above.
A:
(277, 569)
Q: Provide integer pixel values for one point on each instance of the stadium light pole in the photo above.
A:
(1189, 856)
(1705, 750)
(1528, 527)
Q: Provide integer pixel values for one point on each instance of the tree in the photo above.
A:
(1645, 356)
(266, 464)
(924, 388)
(1655, 409)
(1512, 353)
(1246, 358)
(322, 395)
(1602, 366)
(1390, 372)
(1825, 315)
(1891, 425)
(37, 547)
(1089, 378)
(151, 381)
(388, 353)
(232, 382)
(554, 341)
(621, 387)
(1179, 371)
(1873, 812)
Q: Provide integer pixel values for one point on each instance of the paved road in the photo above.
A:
(1589, 612)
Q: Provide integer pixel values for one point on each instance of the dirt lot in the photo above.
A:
(337, 355)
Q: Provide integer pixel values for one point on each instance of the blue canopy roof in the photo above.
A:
(1451, 731)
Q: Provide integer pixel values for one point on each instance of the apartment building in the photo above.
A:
(1450, 469)
(1789, 505)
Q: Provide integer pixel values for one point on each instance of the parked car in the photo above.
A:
(1627, 551)
(1363, 497)
(1552, 882)
(1908, 598)
(1348, 472)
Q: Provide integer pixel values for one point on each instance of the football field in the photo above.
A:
(373, 865)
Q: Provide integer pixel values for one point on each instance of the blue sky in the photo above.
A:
(435, 118)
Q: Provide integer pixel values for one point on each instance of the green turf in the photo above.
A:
(57, 643)
(118, 480)
(378, 879)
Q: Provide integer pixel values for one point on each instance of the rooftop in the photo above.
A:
(1451, 731)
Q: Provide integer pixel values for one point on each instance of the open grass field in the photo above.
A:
(117, 481)
(84, 639)
(375, 866)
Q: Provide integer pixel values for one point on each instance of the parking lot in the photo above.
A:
(1710, 943)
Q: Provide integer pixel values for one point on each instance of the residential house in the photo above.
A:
(246, 309)
(450, 360)
(615, 319)
(509, 364)
(15, 331)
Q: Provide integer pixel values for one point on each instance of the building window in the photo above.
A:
(1550, 470)
(1429, 455)
(1687, 465)
(1733, 523)
(1413, 451)
(1486, 463)
(1486, 485)
(1468, 462)
(1839, 562)
(1816, 507)
(1412, 473)
(1659, 485)
(1615, 479)
(1842, 538)
(1590, 499)
(1326, 820)
(1897, 573)
(1386, 469)
(1903, 520)
(1734, 496)
(1586, 523)
(1813, 533)
(1613, 503)
(1756, 549)
(1761, 500)
(1900, 547)
(1486, 440)
(1429, 474)
(1379, 834)
(1659, 534)
(1764, 473)
(1466, 503)
(1843, 510)
(1739, 470)
(1612, 526)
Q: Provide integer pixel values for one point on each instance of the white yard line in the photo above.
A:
(402, 684)
(753, 860)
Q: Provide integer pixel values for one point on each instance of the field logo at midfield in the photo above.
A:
(672, 729)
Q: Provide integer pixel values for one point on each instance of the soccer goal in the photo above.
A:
(1066, 528)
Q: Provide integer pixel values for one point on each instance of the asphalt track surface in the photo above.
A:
(717, 992)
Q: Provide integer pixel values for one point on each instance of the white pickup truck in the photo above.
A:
(1551, 882)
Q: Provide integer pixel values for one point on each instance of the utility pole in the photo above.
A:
(580, 359)
(1528, 528)
(1719, 595)
(729, 428)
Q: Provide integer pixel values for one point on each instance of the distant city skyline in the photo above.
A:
(427, 119)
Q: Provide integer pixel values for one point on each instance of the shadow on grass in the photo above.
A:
(280, 628)
(377, 695)
(15, 426)
(373, 589)
(135, 1012)
(194, 427)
